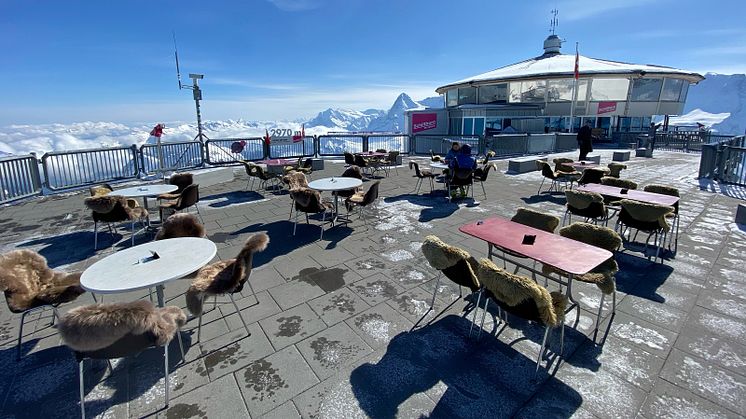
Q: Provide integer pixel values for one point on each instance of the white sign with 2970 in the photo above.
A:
(285, 136)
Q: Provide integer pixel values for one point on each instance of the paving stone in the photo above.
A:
(269, 382)
(668, 401)
(378, 325)
(220, 398)
(295, 292)
(329, 350)
(232, 351)
(663, 315)
(720, 386)
(649, 337)
(717, 324)
(292, 326)
(337, 306)
(726, 354)
(728, 305)
(285, 411)
(376, 289)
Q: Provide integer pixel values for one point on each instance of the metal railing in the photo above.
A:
(69, 169)
(305, 148)
(175, 156)
(19, 178)
(440, 144)
(724, 160)
(232, 150)
(398, 143)
(337, 145)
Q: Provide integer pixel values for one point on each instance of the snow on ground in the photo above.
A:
(699, 116)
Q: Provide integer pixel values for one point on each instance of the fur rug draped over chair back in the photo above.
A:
(181, 225)
(112, 208)
(619, 183)
(536, 219)
(28, 282)
(295, 180)
(457, 264)
(101, 189)
(662, 189)
(615, 169)
(353, 172)
(582, 200)
(522, 295)
(645, 213)
(560, 167)
(98, 326)
(592, 175)
(307, 198)
(227, 276)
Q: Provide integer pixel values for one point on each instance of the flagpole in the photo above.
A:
(574, 90)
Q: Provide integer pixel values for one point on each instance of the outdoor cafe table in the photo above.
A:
(582, 165)
(567, 255)
(137, 268)
(438, 165)
(335, 184)
(276, 165)
(372, 154)
(642, 196)
(144, 192)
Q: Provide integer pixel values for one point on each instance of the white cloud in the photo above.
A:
(296, 5)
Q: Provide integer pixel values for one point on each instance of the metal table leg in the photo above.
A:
(159, 293)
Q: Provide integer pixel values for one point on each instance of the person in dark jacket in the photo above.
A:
(463, 160)
(585, 140)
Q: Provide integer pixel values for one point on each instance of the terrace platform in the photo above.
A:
(342, 328)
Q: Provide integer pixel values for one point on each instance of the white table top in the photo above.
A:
(144, 190)
(130, 269)
(335, 183)
(436, 165)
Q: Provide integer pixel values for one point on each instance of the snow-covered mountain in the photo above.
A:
(718, 94)
(345, 119)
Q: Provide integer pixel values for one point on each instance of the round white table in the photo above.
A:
(335, 184)
(438, 165)
(138, 267)
(145, 191)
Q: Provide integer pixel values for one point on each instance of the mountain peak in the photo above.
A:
(403, 102)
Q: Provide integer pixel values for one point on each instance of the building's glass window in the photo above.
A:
(454, 126)
(557, 124)
(609, 89)
(467, 95)
(496, 93)
(533, 91)
(478, 126)
(493, 126)
(671, 89)
(646, 90)
(636, 124)
(684, 91)
(560, 90)
(452, 97)
(468, 126)
(624, 124)
(515, 92)
(473, 126)
(582, 90)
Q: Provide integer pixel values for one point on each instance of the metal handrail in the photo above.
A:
(176, 156)
(69, 169)
(218, 150)
(19, 178)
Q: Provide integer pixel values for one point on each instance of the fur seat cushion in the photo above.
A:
(226, 276)
(443, 257)
(615, 169)
(662, 189)
(582, 200)
(647, 213)
(619, 183)
(97, 326)
(116, 206)
(181, 225)
(28, 282)
(514, 290)
(295, 180)
(536, 219)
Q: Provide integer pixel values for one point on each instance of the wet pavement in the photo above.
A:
(342, 327)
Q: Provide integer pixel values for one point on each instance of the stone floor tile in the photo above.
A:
(718, 324)
(330, 350)
(378, 325)
(668, 401)
(726, 354)
(647, 336)
(235, 350)
(652, 312)
(337, 306)
(295, 292)
(286, 410)
(292, 326)
(376, 289)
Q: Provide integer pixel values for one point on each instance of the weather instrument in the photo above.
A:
(194, 87)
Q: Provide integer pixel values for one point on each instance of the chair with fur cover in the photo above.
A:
(670, 191)
(188, 198)
(421, 175)
(109, 331)
(524, 298)
(434, 157)
(619, 183)
(602, 275)
(181, 225)
(592, 175)
(351, 172)
(30, 285)
(309, 201)
(557, 178)
(294, 180)
(181, 181)
(363, 200)
(225, 277)
(105, 189)
(114, 209)
(455, 263)
(645, 217)
(534, 219)
(615, 169)
(589, 205)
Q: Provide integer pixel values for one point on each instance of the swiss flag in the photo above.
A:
(266, 137)
(577, 65)
(299, 138)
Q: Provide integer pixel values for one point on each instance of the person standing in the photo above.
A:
(585, 140)
(651, 135)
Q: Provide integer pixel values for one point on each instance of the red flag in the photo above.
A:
(577, 64)
(302, 134)
(157, 131)
(266, 136)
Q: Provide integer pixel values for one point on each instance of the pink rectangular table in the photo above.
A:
(373, 154)
(582, 165)
(642, 196)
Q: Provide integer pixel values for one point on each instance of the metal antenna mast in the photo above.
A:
(196, 91)
(554, 22)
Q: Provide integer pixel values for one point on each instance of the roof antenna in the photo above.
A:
(554, 22)
(194, 87)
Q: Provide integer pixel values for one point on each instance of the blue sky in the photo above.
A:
(67, 61)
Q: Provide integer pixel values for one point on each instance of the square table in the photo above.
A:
(634, 194)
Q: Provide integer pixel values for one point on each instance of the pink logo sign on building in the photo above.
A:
(424, 121)
(606, 107)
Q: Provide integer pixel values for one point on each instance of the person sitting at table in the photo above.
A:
(463, 160)
(453, 152)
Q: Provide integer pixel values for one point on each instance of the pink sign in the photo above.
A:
(424, 121)
(606, 107)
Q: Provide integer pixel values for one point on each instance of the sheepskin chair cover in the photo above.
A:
(98, 326)
(536, 219)
(647, 213)
(295, 180)
(662, 189)
(354, 172)
(99, 190)
(515, 289)
(619, 183)
(434, 157)
(101, 205)
(181, 225)
(442, 257)
(581, 199)
(615, 169)
(227, 276)
(598, 236)
(592, 175)
(28, 282)
(181, 181)
(560, 167)
(304, 196)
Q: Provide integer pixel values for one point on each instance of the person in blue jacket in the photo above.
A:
(463, 160)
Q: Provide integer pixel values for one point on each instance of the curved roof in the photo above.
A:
(558, 65)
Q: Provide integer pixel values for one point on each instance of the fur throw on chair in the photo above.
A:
(581, 199)
(295, 180)
(647, 213)
(615, 169)
(354, 172)
(28, 282)
(536, 219)
(661, 189)
(442, 257)
(97, 326)
(514, 289)
(181, 225)
(104, 204)
(304, 196)
(226, 276)
(619, 183)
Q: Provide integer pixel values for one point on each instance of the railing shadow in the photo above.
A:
(65, 249)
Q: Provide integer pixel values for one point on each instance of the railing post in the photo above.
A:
(137, 158)
(365, 143)
(45, 170)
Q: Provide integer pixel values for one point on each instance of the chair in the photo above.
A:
(362, 163)
(568, 172)
(309, 201)
(592, 175)
(524, 298)
(349, 159)
(102, 189)
(381, 150)
(602, 275)
(454, 263)
(181, 181)
(181, 225)
(531, 218)
(435, 157)
(305, 166)
(615, 169)
(460, 178)
(257, 172)
(645, 217)
(480, 175)
(117, 330)
(294, 180)
(556, 177)
(30, 285)
(619, 183)
(490, 154)
(588, 205)
(421, 175)
(670, 191)
(225, 277)
(363, 201)
(189, 197)
(114, 209)
(391, 161)
(351, 172)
